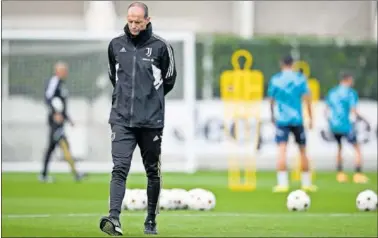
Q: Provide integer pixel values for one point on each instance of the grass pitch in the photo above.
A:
(66, 208)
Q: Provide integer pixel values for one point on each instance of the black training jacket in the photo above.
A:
(142, 71)
(56, 89)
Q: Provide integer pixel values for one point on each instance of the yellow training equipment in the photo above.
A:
(242, 90)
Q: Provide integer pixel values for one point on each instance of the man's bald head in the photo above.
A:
(140, 5)
(61, 69)
(137, 17)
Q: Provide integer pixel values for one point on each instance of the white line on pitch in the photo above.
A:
(204, 214)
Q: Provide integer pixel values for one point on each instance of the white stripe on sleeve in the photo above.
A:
(51, 88)
(171, 57)
(116, 71)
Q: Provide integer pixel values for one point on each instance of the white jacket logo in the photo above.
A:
(149, 52)
(157, 76)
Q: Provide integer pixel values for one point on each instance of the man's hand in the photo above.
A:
(58, 118)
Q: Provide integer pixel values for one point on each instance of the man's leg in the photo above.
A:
(49, 150)
(149, 141)
(341, 176)
(300, 138)
(358, 176)
(123, 146)
(282, 136)
(64, 145)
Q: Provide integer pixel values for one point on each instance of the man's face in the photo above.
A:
(62, 72)
(350, 81)
(136, 21)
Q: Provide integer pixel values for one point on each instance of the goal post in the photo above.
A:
(29, 58)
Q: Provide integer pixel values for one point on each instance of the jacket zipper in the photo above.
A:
(132, 89)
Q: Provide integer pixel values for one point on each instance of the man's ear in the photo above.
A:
(148, 19)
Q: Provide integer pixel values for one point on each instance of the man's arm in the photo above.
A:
(357, 114)
(50, 91)
(56, 105)
(111, 65)
(308, 100)
(271, 91)
(353, 101)
(168, 66)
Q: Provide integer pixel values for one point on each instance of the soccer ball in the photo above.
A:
(136, 199)
(180, 198)
(201, 200)
(211, 200)
(192, 196)
(166, 200)
(193, 192)
(298, 200)
(367, 201)
(57, 104)
(125, 198)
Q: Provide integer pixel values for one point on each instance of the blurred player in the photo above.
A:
(55, 97)
(142, 71)
(341, 102)
(286, 90)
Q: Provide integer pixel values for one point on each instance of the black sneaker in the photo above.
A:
(111, 226)
(150, 228)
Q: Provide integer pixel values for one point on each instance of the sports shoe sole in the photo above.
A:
(147, 232)
(108, 227)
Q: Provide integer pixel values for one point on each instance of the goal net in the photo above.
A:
(27, 62)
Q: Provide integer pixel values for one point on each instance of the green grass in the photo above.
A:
(74, 209)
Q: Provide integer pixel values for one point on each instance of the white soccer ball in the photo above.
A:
(193, 192)
(136, 199)
(201, 200)
(180, 198)
(211, 200)
(57, 104)
(298, 200)
(367, 201)
(166, 200)
(128, 191)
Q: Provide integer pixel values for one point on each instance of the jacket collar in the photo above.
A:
(142, 37)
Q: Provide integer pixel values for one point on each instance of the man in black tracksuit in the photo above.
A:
(142, 71)
(56, 95)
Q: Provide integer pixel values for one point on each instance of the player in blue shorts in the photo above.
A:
(341, 102)
(286, 91)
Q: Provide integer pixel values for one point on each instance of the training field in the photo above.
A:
(67, 208)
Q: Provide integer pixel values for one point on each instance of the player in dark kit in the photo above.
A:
(55, 98)
(142, 71)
